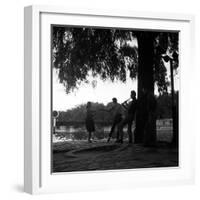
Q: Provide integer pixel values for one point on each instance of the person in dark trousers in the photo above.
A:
(89, 121)
(116, 109)
(130, 108)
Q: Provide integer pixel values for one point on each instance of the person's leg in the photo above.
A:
(120, 131)
(116, 121)
(89, 136)
(119, 119)
(130, 131)
(111, 130)
(117, 137)
(121, 126)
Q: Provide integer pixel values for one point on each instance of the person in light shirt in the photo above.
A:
(117, 111)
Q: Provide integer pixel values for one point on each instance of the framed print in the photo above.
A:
(105, 96)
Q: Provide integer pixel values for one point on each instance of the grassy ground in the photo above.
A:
(99, 155)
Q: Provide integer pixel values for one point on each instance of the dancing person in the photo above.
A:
(116, 110)
(130, 108)
(89, 121)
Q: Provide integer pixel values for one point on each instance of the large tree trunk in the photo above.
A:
(144, 126)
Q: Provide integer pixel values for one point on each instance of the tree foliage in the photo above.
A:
(165, 43)
(107, 53)
(164, 105)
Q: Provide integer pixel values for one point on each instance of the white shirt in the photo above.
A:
(116, 108)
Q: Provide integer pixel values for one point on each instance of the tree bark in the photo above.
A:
(145, 85)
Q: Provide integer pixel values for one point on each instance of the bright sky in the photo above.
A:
(102, 93)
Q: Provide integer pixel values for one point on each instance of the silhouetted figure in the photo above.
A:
(116, 109)
(130, 108)
(89, 121)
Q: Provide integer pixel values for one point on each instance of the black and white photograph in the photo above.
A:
(114, 98)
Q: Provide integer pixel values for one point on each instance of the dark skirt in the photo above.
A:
(89, 122)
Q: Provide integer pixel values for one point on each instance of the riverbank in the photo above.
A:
(83, 156)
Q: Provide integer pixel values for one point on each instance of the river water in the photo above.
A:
(71, 133)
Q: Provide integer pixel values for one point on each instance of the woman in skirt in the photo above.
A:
(89, 121)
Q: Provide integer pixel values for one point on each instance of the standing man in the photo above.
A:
(129, 116)
(116, 109)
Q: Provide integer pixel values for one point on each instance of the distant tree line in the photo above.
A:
(77, 114)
